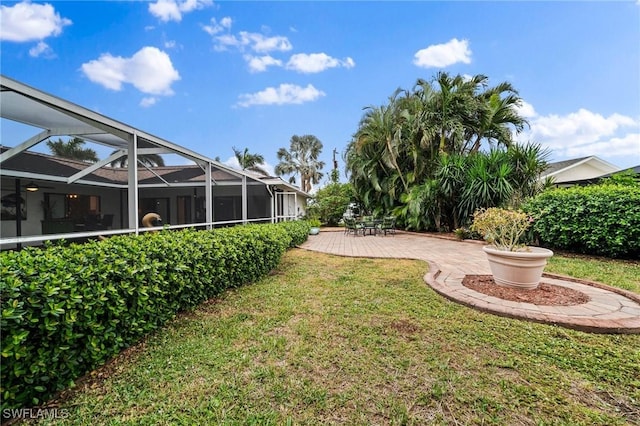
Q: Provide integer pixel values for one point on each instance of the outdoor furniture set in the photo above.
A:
(370, 225)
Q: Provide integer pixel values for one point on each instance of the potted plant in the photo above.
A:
(315, 226)
(512, 264)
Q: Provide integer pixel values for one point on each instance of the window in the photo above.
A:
(70, 206)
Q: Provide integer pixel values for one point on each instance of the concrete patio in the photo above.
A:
(610, 310)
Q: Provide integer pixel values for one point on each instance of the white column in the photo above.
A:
(132, 164)
(244, 199)
(208, 196)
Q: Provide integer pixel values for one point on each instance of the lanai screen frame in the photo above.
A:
(58, 117)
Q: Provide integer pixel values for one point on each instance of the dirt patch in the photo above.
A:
(545, 294)
(404, 327)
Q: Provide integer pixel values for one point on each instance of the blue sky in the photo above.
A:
(212, 75)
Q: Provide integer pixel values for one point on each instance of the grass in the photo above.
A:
(624, 274)
(332, 340)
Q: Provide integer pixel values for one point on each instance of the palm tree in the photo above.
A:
(302, 159)
(72, 149)
(420, 155)
(248, 161)
(380, 128)
(498, 116)
(149, 160)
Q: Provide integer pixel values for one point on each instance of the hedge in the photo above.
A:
(68, 309)
(599, 219)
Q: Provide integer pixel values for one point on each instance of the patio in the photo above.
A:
(610, 310)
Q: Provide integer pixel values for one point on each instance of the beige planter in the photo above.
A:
(517, 269)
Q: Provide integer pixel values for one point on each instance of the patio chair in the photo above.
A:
(388, 225)
(350, 225)
(107, 221)
(369, 223)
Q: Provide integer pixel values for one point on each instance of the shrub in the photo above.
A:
(331, 202)
(502, 228)
(68, 309)
(598, 219)
(314, 223)
(298, 231)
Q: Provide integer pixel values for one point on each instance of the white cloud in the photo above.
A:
(526, 110)
(583, 133)
(261, 63)
(316, 62)
(582, 126)
(263, 44)
(217, 27)
(443, 55)
(41, 49)
(235, 164)
(625, 146)
(170, 44)
(172, 10)
(25, 22)
(148, 101)
(232, 162)
(283, 94)
(254, 41)
(149, 70)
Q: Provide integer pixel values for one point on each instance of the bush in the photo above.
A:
(331, 202)
(68, 309)
(502, 228)
(599, 219)
(298, 231)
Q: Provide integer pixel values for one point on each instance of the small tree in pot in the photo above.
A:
(512, 263)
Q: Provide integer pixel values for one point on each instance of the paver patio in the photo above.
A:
(610, 310)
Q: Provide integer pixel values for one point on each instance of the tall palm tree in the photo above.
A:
(72, 149)
(301, 159)
(149, 160)
(499, 115)
(420, 155)
(248, 161)
(380, 129)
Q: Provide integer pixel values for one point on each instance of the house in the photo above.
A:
(633, 170)
(565, 172)
(44, 197)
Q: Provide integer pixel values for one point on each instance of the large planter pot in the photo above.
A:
(517, 269)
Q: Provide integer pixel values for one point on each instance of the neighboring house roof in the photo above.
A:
(578, 169)
(635, 170)
(561, 165)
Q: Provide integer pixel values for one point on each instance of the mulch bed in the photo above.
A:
(545, 294)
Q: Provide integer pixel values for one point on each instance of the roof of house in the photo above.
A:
(558, 167)
(25, 104)
(635, 170)
(29, 161)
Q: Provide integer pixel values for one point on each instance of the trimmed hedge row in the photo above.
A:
(68, 309)
(298, 230)
(599, 219)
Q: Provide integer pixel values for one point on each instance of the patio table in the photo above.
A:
(371, 225)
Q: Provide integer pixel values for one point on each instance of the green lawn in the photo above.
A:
(619, 273)
(332, 340)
